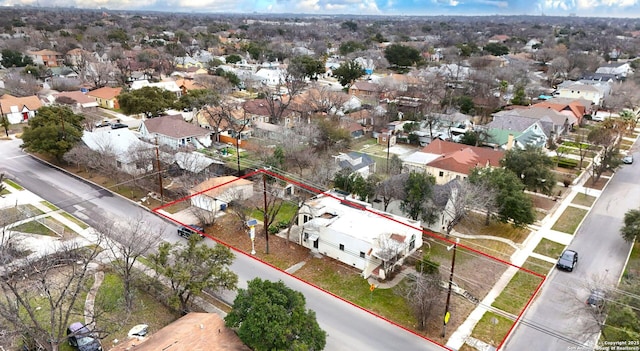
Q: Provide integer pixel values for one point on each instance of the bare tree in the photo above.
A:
(422, 293)
(269, 209)
(127, 242)
(291, 84)
(458, 198)
(40, 294)
(392, 189)
(21, 84)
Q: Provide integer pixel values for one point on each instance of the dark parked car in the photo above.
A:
(596, 298)
(118, 125)
(187, 231)
(627, 159)
(568, 260)
(81, 338)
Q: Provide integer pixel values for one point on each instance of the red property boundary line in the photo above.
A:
(266, 172)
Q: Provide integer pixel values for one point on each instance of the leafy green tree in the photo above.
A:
(175, 50)
(332, 136)
(350, 46)
(469, 137)
(53, 131)
(520, 97)
(306, 66)
(466, 105)
(348, 72)
(194, 268)
(197, 99)
(12, 58)
(467, 49)
(152, 101)
(351, 25)
(118, 35)
(510, 203)
(4, 122)
(402, 55)
(418, 193)
(631, 228)
(233, 58)
(230, 76)
(271, 316)
(533, 167)
(277, 159)
(496, 49)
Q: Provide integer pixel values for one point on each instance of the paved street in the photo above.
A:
(348, 327)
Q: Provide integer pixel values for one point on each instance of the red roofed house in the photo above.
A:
(570, 107)
(78, 100)
(19, 109)
(106, 97)
(446, 160)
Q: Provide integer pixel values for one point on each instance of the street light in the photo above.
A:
(447, 315)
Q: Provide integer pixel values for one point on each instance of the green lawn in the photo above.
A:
(117, 321)
(474, 224)
(583, 200)
(569, 220)
(549, 248)
(285, 214)
(13, 184)
(49, 204)
(492, 328)
(73, 219)
(520, 289)
(34, 227)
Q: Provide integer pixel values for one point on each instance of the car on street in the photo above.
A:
(118, 125)
(596, 298)
(187, 231)
(82, 339)
(627, 159)
(567, 261)
(104, 123)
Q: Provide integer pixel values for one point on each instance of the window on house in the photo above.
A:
(341, 247)
(441, 174)
(361, 254)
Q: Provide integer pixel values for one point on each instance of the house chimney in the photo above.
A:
(510, 142)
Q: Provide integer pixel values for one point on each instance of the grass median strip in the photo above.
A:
(492, 328)
(583, 200)
(521, 287)
(569, 220)
(13, 184)
(549, 248)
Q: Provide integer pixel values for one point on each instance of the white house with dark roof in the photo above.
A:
(357, 162)
(174, 132)
(130, 154)
(355, 234)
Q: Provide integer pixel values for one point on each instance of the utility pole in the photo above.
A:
(264, 222)
(447, 315)
(159, 172)
(388, 147)
(5, 121)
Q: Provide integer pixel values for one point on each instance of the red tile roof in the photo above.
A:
(461, 158)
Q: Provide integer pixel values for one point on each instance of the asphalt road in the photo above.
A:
(559, 318)
(348, 327)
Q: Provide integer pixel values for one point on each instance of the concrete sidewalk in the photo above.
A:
(523, 252)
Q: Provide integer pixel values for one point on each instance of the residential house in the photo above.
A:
(19, 109)
(594, 91)
(357, 162)
(571, 107)
(174, 132)
(196, 164)
(366, 90)
(258, 110)
(106, 97)
(356, 130)
(169, 85)
(46, 57)
(185, 62)
(78, 100)
(561, 122)
(354, 233)
(498, 38)
(130, 154)
(618, 69)
(216, 193)
(507, 132)
(194, 331)
(447, 161)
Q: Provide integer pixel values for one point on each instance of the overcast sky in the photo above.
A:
(583, 8)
